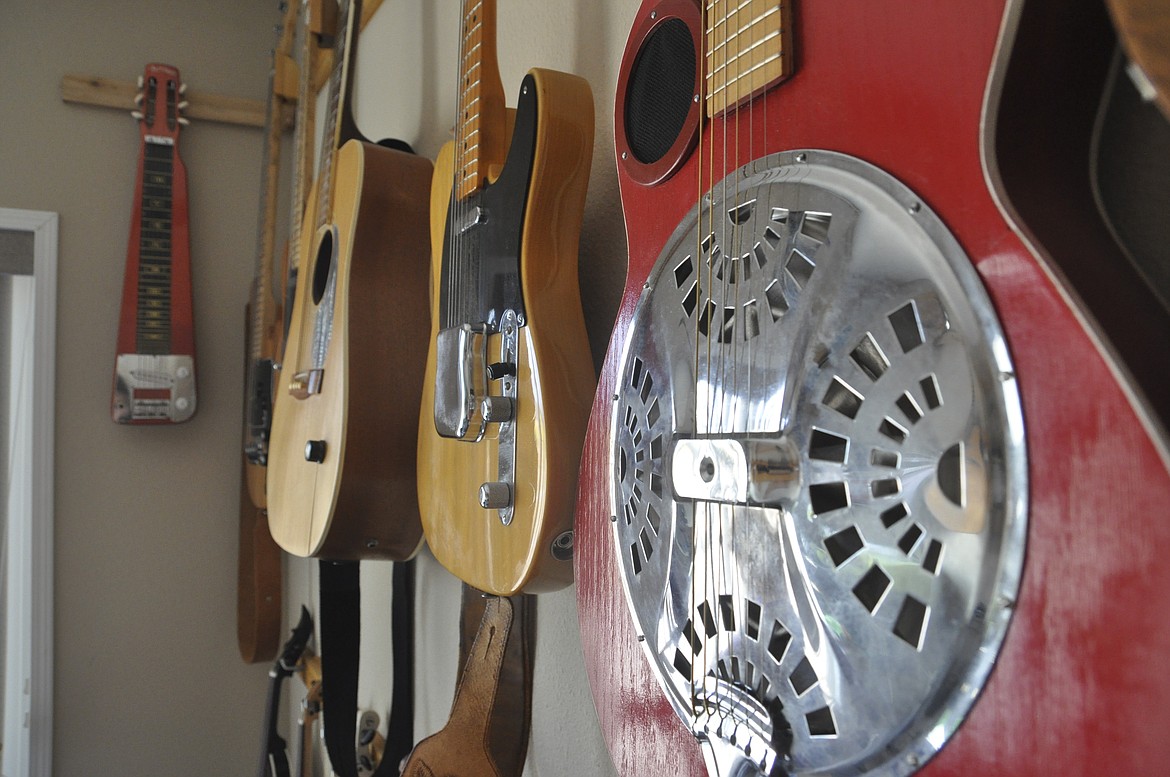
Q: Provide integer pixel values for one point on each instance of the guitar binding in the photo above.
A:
(818, 472)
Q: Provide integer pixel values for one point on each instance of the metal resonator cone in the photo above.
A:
(818, 470)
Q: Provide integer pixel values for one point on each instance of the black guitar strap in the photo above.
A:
(339, 617)
(273, 758)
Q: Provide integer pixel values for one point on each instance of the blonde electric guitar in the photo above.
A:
(509, 373)
(341, 459)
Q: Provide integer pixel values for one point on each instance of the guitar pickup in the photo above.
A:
(460, 382)
(473, 217)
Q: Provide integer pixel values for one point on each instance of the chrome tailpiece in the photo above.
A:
(460, 382)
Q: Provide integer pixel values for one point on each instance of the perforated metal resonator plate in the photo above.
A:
(818, 472)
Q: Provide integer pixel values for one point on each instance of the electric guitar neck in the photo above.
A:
(154, 369)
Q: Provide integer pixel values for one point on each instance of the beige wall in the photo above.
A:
(147, 676)
(148, 680)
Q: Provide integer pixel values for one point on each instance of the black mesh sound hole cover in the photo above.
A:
(660, 91)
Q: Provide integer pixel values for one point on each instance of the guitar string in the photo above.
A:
(702, 307)
(323, 206)
(453, 249)
(465, 180)
(701, 86)
(727, 513)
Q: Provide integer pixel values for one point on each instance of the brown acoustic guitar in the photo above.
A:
(342, 457)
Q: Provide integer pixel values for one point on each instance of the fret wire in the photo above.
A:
(743, 50)
(735, 11)
(728, 37)
(739, 79)
(471, 85)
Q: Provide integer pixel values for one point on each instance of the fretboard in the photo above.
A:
(154, 250)
(480, 103)
(301, 134)
(748, 49)
(336, 119)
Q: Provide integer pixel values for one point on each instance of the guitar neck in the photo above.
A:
(748, 50)
(339, 121)
(305, 115)
(266, 230)
(480, 134)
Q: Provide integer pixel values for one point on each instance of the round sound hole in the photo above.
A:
(321, 267)
(661, 91)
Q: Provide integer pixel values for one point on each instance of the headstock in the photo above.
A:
(160, 103)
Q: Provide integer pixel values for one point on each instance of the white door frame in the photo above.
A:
(28, 684)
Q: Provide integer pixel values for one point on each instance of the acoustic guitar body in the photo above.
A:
(342, 456)
(551, 140)
(1065, 563)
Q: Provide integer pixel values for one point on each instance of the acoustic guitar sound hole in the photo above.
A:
(321, 267)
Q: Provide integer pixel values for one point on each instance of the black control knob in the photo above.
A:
(315, 451)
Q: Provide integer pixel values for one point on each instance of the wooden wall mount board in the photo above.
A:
(202, 106)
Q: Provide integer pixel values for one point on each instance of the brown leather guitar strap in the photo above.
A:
(487, 732)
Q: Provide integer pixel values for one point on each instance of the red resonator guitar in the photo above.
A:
(866, 489)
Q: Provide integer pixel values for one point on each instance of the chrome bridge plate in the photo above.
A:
(154, 388)
(818, 472)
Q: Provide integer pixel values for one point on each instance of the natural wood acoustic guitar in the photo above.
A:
(154, 369)
(508, 374)
(868, 488)
(341, 460)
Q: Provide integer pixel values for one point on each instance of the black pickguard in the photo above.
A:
(481, 265)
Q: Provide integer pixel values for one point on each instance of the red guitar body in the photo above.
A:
(1080, 685)
(154, 375)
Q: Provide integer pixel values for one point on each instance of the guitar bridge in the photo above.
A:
(460, 382)
(305, 384)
